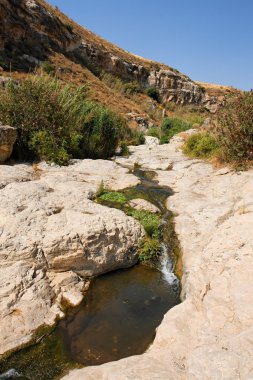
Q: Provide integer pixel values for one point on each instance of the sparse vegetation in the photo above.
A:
(56, 122)
(125, 88)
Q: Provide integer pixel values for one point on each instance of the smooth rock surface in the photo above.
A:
(51, 233)
(8, 136)
(141, 204)
(209, 336)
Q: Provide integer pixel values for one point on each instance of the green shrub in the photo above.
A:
(201, 145)
(172, 126)
(57, 122)
(101, 132)
(48, 67)
(153, 93)
(235, 129)
(45, 114)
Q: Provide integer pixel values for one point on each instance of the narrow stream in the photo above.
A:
(119, 315)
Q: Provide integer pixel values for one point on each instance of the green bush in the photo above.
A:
(172, 126)
(57, 122)
(234, 130)
(153, 93)
(101, 132)
(201, 145)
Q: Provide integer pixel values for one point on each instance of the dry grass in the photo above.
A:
(217, 89)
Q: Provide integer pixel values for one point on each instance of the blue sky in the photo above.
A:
(209, 40)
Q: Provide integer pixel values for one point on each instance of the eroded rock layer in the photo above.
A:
(41, 31)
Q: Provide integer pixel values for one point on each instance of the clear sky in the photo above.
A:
(209, 40)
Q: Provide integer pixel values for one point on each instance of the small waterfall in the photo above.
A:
(167, 267)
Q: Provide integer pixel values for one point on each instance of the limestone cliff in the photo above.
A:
(33, 32)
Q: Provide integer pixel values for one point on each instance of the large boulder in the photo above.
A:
(53, 235)
(8, 136)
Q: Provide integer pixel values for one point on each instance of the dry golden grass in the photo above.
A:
(217, 89)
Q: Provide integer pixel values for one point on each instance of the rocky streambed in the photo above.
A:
(120, 311)
(209, 335)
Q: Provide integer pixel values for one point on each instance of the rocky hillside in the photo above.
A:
(42, 33)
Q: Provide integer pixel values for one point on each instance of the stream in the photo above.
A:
(119, 314)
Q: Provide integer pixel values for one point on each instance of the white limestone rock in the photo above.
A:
(209, 335)
(50, 233)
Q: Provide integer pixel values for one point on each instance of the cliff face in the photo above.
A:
(32, 31)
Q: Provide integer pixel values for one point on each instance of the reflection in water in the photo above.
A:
(119, 316)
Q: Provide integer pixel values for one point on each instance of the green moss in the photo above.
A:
(46, 346)
(113, 196)
(150, 221)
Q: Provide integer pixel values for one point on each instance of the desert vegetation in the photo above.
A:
(56, 122)
(231, 140)
(169, 127)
